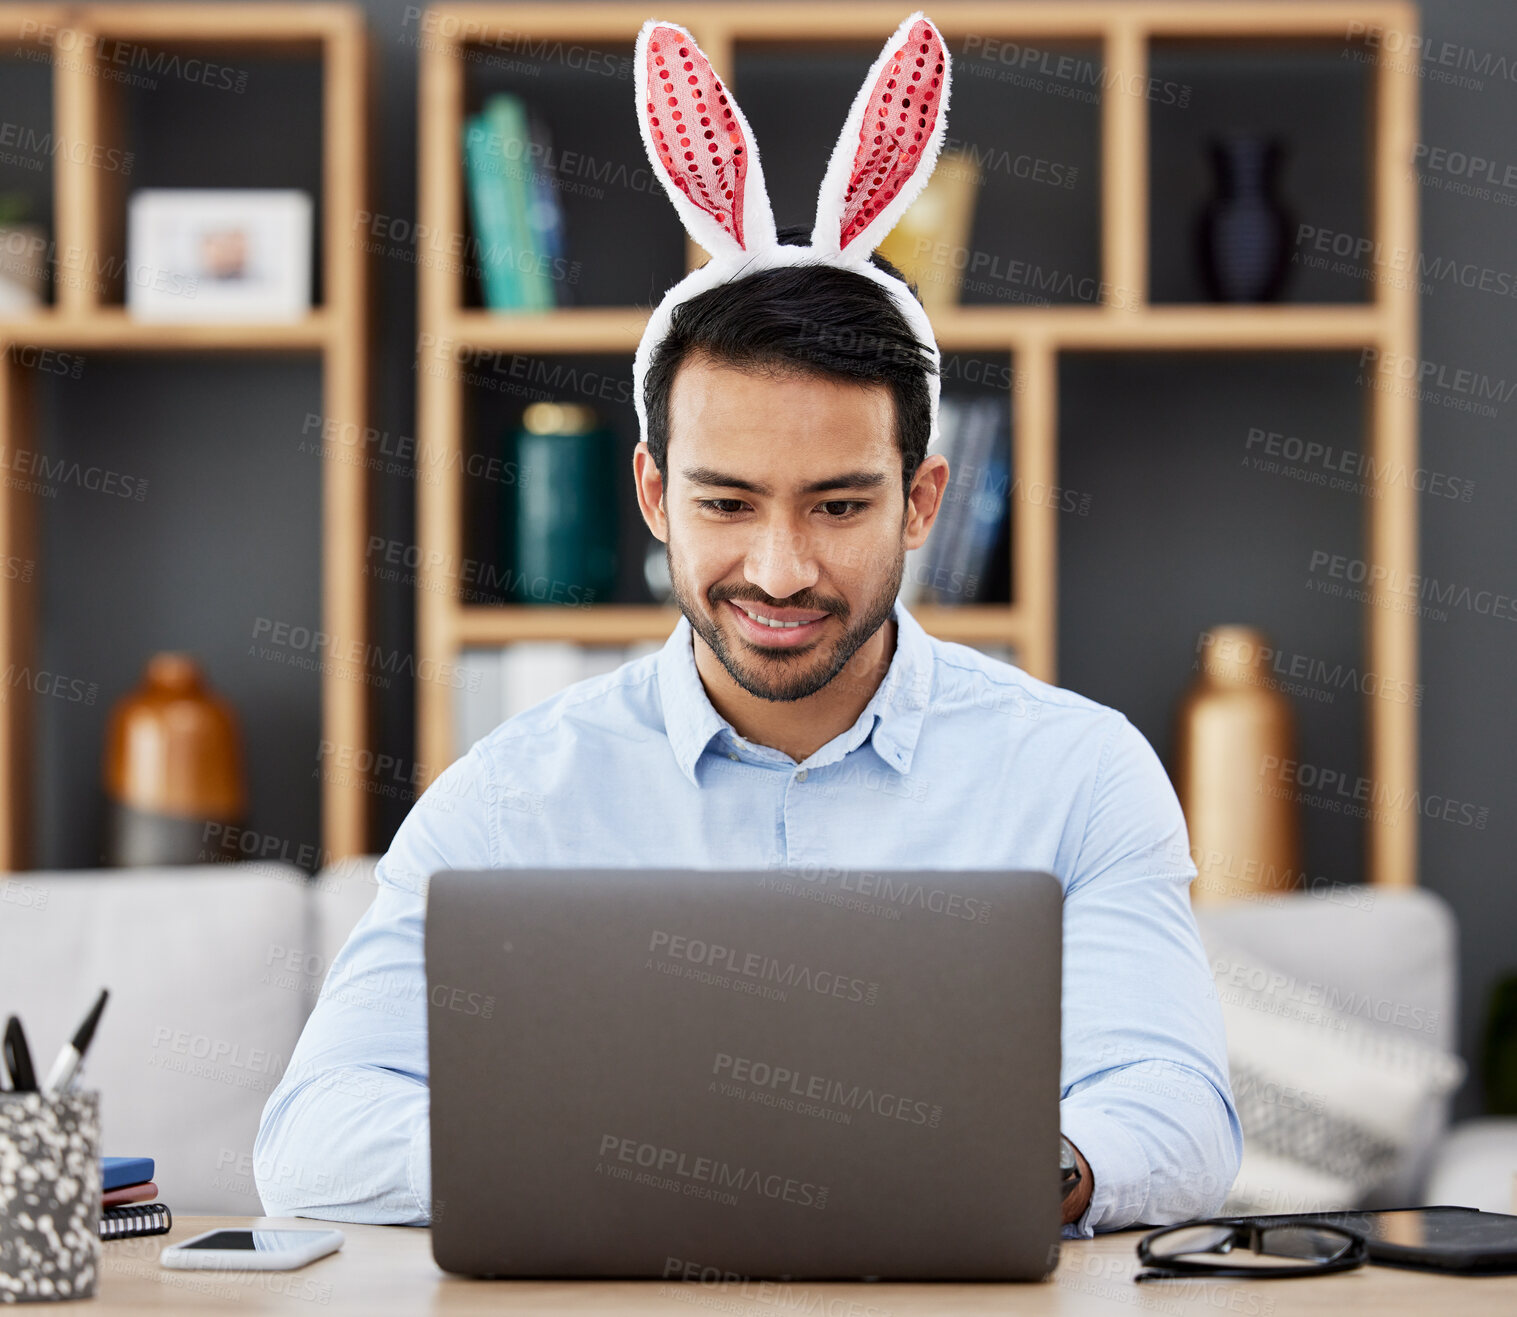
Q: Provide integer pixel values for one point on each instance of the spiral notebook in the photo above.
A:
(135, 1219)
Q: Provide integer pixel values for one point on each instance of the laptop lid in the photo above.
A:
(778, 1073)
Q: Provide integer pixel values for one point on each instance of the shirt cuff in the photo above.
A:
(1118, 1166)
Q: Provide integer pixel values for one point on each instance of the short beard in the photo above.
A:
(798, 681)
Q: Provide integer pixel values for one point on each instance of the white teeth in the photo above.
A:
(766, 622)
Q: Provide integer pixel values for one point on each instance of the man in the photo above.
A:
(798, 717)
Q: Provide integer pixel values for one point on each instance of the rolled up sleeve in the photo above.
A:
(1144, 1084)
(345, 1136)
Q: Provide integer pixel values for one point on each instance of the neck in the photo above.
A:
(799, 728)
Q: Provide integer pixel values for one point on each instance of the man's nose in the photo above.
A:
(783, 559)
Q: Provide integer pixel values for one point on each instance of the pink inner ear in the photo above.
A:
(902, 110)
(698, 137)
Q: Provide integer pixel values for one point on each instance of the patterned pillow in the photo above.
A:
(1328, 1102)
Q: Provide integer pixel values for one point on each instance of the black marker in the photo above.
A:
(18, 1058)
(67, 1065)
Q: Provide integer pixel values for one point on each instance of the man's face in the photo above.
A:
(783, 500)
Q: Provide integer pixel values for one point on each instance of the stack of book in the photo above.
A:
(497, 684)
(518, 222)
(127, 1192)
(951, 567)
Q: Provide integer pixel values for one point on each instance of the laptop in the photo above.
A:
(777, 1074)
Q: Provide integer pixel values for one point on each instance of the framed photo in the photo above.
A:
(219, 254)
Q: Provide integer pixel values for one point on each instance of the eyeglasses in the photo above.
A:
(1294, 1249)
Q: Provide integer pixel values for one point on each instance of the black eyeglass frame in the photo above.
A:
(1249, 1233)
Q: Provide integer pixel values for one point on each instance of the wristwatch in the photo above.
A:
(1069, 1169)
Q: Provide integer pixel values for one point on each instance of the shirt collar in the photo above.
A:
(894, 713)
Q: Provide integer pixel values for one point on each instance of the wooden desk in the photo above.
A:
(389, 1269)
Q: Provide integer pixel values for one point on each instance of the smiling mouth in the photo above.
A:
(775, 621)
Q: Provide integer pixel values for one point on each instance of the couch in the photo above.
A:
(214, 969)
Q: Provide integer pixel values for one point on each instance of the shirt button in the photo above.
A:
(730, 755)
(801, 776)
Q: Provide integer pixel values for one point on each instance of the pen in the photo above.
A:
(69, 1059)
(18, 1058)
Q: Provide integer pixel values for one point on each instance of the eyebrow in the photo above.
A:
(705, 475)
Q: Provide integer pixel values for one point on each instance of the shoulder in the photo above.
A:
(1091, 747)
(967, 678)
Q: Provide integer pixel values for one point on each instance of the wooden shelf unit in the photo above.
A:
(89, 217)
(1034, 336)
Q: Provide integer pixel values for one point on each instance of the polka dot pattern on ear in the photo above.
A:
(698, 138)
(903, 108)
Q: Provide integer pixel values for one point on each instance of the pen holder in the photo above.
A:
(49, 1196)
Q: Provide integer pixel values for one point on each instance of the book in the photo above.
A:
(118, 1172)
(986, 504)
(546, 213)
(507, 119)
(917, 574)
(974, 502)
(132, 1193)
(477, 702)
(510, 679)
(138, 1219)
(485, 166)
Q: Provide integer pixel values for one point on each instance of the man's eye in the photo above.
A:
(838, 509)
(849, 508)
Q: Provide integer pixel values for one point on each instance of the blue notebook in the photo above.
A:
(118, 1172)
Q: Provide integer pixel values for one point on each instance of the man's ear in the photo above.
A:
(650, 492)
(925, 498)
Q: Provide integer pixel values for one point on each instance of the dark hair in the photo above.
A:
(817, 319)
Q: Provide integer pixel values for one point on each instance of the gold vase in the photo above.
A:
(173, 770)
(1233, 731)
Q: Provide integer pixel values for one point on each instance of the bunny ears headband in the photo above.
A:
(703, 152)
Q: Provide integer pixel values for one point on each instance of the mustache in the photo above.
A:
(806, 605)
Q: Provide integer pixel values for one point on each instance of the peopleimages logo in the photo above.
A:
(700, 1177)
(754, 965)
(784, 1081)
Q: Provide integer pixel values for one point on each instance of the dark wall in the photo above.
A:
(1172, 529)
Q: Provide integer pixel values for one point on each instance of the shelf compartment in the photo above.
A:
(594, 163)
(1232, 91)
(1180, 485)
(88, 216)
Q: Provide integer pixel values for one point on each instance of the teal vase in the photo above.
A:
(565, 516)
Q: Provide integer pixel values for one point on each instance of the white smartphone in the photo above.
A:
(275, 1249)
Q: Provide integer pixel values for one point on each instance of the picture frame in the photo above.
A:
(219, 254)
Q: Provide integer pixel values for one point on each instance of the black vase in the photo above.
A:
(1244, 233)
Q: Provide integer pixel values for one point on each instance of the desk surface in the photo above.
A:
(389, 1269)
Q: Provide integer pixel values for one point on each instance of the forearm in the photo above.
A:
(1161, 1141)
(347, 1143)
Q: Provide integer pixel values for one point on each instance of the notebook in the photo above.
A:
(137, 1219)
(118, 1172)
(133, 1193)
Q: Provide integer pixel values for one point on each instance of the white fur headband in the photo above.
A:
(703, 151)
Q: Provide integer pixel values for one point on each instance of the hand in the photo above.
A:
(1077, 1202)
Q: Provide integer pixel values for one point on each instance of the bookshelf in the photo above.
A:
(1035, 336)
(89, 208)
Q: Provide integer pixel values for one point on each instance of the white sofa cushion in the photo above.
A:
(1384, 956)
(203, 1014)
(340, 893)
(1330, 1105)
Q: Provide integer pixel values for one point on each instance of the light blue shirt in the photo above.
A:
(959, 761)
